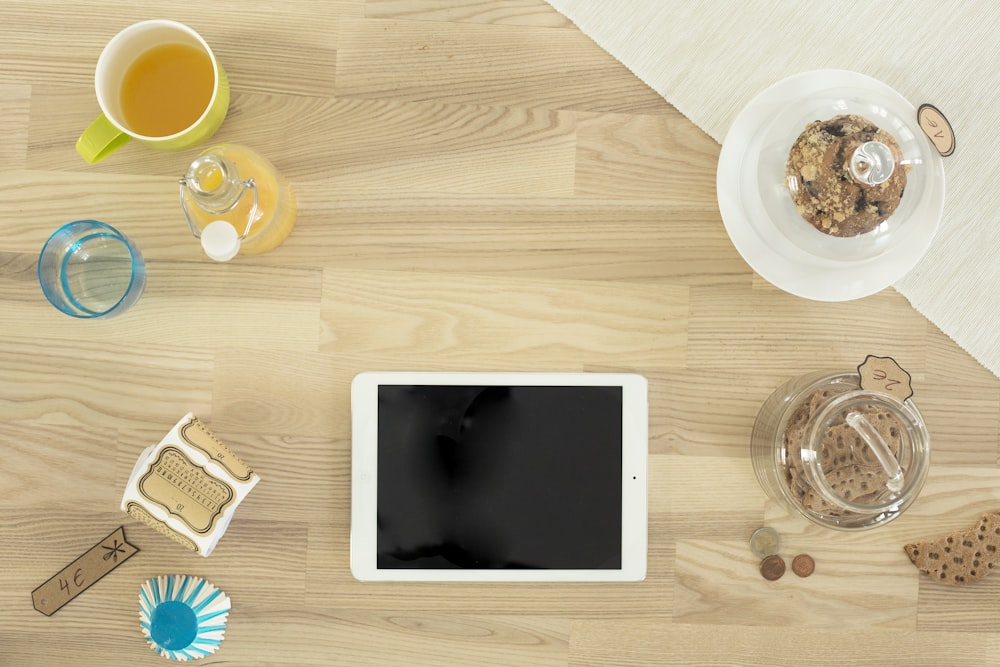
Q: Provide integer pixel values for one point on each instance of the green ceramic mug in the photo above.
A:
(146, 87)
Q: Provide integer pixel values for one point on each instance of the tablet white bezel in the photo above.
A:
(364, 478)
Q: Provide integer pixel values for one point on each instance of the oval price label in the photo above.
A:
(937, 128)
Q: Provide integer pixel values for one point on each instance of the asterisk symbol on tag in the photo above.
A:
(114, 551)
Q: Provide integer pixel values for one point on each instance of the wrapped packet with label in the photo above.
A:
(188, 486)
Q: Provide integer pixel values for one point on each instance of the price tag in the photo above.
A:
(883, 374)
(82, 573)
(937, 128)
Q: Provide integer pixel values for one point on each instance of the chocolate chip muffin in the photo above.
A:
(821, 185)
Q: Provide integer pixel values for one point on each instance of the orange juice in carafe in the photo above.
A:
(236, 202)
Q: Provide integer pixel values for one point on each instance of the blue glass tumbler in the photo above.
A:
(89, 269)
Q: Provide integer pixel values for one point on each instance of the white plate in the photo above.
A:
(762, 221)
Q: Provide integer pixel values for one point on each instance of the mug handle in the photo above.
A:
(100, 140)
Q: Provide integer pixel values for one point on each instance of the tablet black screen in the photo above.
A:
(499, 477)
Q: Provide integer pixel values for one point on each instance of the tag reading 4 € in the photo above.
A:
(85, 571)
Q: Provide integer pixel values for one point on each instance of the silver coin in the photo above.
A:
(765, 542)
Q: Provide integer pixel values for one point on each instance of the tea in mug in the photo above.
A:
(166, 89)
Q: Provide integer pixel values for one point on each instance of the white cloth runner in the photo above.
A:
(708, 58)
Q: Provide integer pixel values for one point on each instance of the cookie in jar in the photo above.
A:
(842, 456)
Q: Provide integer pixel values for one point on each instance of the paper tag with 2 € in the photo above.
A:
(884, 375)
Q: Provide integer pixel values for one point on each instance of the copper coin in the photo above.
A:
(803, 565)
(772, 567)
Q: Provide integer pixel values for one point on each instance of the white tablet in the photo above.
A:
(498, 477)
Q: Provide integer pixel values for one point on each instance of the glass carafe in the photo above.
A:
(235, 201)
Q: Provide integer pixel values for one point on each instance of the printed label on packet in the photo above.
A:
(194, 433)
(82, 573)
(883, 374)
(185, 490)
(188, 486)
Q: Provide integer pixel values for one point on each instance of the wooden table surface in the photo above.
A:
(480, 187)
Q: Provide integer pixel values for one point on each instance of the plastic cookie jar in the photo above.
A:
(842, 456)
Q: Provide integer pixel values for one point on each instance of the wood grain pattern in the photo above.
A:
(480, 187)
